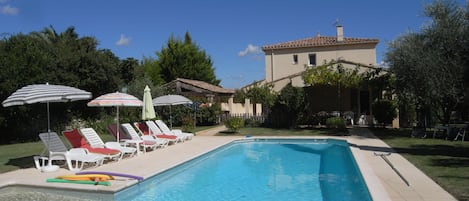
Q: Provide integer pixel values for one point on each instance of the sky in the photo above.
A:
(232, 33)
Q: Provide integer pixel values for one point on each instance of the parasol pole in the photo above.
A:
(170, 117)
(48, 115)
(117, 125)
(48, 118)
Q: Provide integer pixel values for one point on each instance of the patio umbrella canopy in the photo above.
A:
(117, 100)
(148, 111)
(171, 100)
(45, 93)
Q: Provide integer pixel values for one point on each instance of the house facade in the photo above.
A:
(285, 63)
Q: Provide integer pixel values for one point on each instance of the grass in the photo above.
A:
(18, 156)
(446, 162)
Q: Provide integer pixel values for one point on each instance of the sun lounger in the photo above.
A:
(78, 141)
(165, 129)
(95, 141)
(75, 158)
(78, 157)
(155, 131)
(112, 128)
(56, 149)
(147, 140)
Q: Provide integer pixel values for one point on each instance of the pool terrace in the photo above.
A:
(382, 181)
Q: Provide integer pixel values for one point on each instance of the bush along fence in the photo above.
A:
(249, 119)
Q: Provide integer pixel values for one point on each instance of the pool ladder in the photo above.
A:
(383, 156)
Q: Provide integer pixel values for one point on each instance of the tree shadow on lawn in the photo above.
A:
(458, 156)
(22, 162)
(435, 150)
(452, 162)
(385, 133)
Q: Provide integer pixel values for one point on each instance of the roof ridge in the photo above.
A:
(318, 41)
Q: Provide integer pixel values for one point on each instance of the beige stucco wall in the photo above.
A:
(279, 63)
(241, 108)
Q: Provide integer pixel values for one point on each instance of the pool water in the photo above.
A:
(260, 170)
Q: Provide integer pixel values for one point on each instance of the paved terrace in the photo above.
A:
(383, 182)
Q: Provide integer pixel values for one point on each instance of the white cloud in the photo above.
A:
(250, 49)
(123, 40)
(8, 10)
(383, 64)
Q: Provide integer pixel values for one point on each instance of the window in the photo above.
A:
(295, 59)
(312, 59)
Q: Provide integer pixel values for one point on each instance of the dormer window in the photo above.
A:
(295, 59)
(312, 59)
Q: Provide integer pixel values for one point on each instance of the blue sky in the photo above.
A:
(231, 32)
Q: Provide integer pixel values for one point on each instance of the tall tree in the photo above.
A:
(152, 69)
(127, 69)
(57, 58)
(184, 59)
(430, 65)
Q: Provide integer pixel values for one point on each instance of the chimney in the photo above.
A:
(340, 33)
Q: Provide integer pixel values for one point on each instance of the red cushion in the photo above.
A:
(148, 142)
(166, 136)
(143, 127)
(74, 137)
(105, 151)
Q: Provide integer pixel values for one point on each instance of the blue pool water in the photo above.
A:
(260, 170)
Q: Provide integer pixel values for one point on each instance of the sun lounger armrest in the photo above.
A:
(57, 155)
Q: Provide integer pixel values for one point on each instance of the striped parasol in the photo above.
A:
(117, 100)
(45, 93)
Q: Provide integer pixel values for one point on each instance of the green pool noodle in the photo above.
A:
(104, 183)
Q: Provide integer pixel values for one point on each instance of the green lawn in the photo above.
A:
(16, 156)
(446, 162)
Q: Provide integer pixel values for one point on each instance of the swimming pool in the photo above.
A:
(260, 169)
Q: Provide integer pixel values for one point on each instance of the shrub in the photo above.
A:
(234, 124)
(251, 122)
(207, 116)
(188, 124)
(384, 111)
(335, 122)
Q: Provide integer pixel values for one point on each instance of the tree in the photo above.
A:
(384, 111)
(127, 69)
(287, 108)
(430, 66)
(58, 58)
(151, 69)
(184, 59)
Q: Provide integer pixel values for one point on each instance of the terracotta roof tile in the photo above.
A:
(319, 41)
(206, 86)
